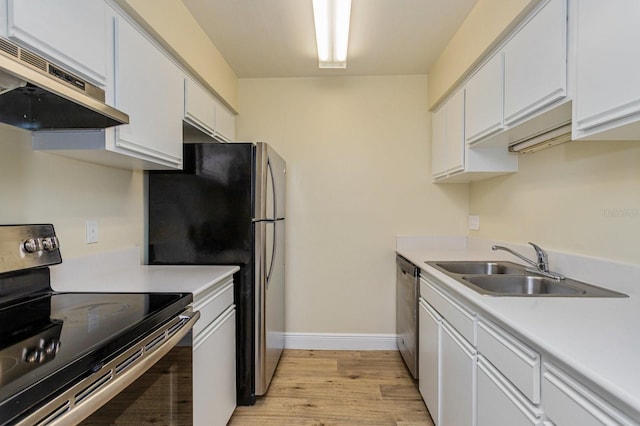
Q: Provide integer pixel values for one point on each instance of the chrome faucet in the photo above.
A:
(540, 267)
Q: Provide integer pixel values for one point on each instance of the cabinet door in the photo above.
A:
(214, 372)
(499, 403)
(428, 363)
(567, 402)
(438, 142)
(149, 87)
(225, 123)
(607, 70)
(199, 107)
(457, 379)
(71, 33)
(454, 133)
(535, 63)
(484, 101)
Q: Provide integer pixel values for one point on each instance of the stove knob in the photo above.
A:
(32, 245)
(52, 347)
(50, 243)
(34, 355)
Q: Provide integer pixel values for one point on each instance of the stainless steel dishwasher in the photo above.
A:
(407, 289)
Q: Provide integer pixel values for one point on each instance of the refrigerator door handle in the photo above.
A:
(274, 248)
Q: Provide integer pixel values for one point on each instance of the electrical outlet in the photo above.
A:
(474, 222)
(92, 231)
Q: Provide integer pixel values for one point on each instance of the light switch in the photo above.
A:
(474, 222)
(92, 231)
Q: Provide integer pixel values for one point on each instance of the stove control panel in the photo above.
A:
(28, 246)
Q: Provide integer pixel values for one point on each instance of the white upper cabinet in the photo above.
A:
(70, 33)
(535, 63)
(225, 129)
(448, 137)
(452, 159)
(149, 86)
(206, 113)
(145, 83)
(484, 100)
(454, 129)
(607, 103)
(199, 107)
(438, 142)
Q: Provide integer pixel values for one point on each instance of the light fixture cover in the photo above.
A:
(542, 141)
(331, 19)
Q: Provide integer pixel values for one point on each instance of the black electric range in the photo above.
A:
(58, 351)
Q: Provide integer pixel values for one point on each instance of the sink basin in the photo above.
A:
(480, 268)
(531, 285)
(499, 278)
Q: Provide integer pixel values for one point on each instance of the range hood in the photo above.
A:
(37, 95)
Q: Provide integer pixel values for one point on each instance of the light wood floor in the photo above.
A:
(338, 388)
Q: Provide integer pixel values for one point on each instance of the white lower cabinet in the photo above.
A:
(457, 379)
(515, 360)
(214, 357)
(499, 402)
(429, 361)
(499, 380)
(568, 402)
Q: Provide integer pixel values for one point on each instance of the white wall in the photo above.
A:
(358, 157)
(580, 197)
(37, 187)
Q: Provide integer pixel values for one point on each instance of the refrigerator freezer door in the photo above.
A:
(270, 242)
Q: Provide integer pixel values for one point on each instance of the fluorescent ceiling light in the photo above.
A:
(332, 31)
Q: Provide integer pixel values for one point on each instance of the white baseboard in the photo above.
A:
(340, 341)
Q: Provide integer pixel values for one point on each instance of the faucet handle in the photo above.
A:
(543, 257)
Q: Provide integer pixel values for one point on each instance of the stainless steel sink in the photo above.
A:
(482, 268)
(510, 279)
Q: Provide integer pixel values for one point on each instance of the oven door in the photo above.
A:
(162, 395)
(158, 351)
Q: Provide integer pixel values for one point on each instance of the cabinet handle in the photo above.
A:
(514, 396)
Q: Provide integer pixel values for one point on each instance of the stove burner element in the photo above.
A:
(7, 363)
(94, 312)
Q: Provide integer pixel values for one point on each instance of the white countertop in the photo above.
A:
(121, 272)
(599, 338)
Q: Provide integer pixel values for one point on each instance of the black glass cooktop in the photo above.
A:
(54, 340)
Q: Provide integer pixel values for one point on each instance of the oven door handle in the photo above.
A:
(80, 401)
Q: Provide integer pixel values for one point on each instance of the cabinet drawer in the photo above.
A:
(458, 315)
(517, 362)
(499, 403)
(211, 305)
(567, 402)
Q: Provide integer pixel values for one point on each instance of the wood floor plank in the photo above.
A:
(338, 388)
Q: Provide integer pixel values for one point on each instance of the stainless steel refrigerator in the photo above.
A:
(226, 207)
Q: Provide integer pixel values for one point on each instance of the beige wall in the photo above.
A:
(37, 187)
(580, 197)
(486, 23)
(173, 25)
(357, 151)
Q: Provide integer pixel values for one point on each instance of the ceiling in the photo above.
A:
(276, 38)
